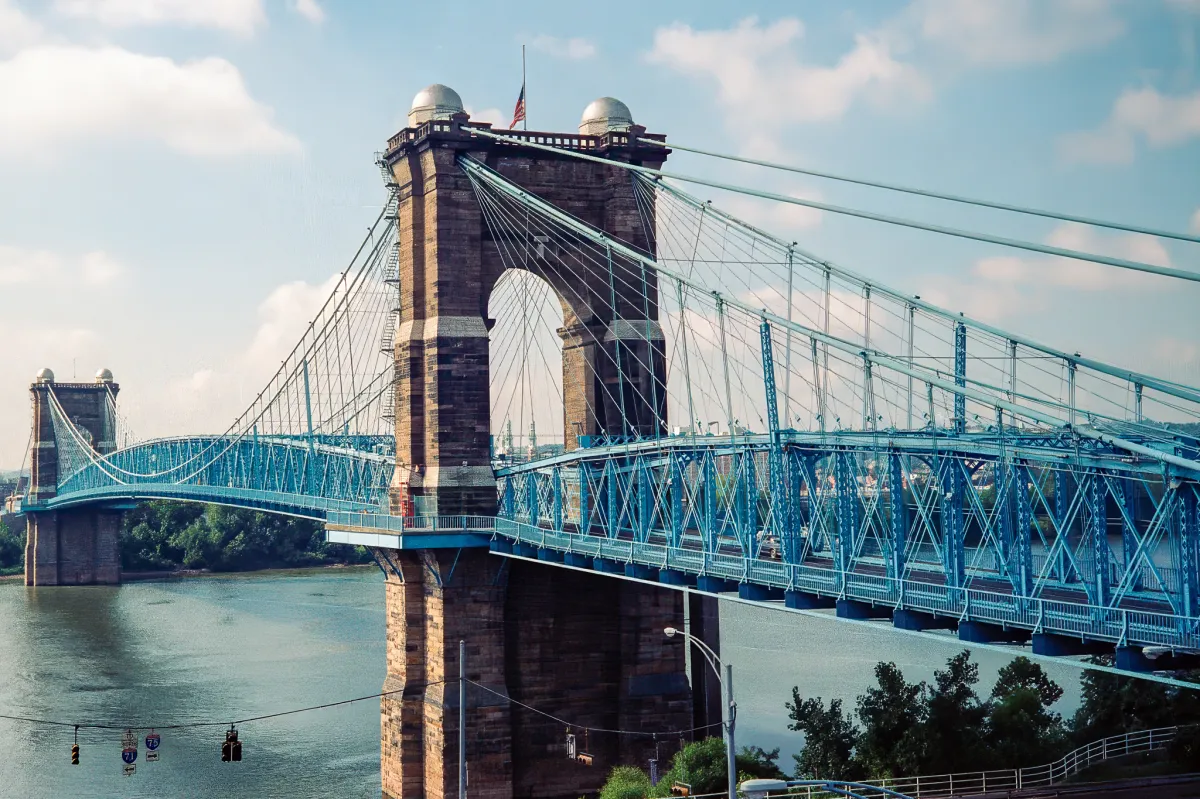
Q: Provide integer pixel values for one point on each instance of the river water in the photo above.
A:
(223, 648)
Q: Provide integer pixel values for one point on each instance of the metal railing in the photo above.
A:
(382, 522)
(1015, 779)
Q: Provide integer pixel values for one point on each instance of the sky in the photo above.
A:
(181, 180)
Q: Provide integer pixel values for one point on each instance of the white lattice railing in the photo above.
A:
(1015, 779)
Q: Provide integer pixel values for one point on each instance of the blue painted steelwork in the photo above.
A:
(298, 476)
(970, 516)
(1143, 627)
(960, 377)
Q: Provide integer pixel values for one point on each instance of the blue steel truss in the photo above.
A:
(968, 525)
(291, 475)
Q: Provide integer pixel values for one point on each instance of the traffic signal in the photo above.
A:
(74, 754)
(231, 750)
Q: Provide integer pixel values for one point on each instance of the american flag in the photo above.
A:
(519, 111)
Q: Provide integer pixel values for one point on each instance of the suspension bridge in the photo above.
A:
(548, 348)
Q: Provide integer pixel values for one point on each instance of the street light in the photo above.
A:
(730, 709)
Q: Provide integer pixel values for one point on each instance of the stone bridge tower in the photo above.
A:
(70, 546)
(567, 642)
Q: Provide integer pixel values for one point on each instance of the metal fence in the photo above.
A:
(1016, 779)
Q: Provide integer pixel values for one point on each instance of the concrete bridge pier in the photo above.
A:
(77, 546)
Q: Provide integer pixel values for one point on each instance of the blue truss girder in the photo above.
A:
(295, 475)
(971, 512)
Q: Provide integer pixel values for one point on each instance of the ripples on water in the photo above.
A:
(228, 647)
(211, 649)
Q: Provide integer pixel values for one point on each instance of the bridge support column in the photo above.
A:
(438, 598)
(78, 546)
(73, 547)
(589, 648)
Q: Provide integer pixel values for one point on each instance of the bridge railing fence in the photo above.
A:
(412, 524)
(1015, 779)
(997, 780)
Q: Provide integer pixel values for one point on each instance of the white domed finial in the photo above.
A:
(603, 115)
(44, 375)
(434, 102)
(104, 376)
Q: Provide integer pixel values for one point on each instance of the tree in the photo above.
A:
(891, 743)
(167, 535)
(1112, 704)
(757, 763)
(12, 543)
(829, 739)
(701, 764)
(626, 782)
(954, 727)
(1024, 673)
(1021, 728)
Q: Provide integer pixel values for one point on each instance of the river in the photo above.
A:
(221, 648)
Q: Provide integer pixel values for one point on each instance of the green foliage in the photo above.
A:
(891, 742)
(758, 764)
(626, 782)
(12, 544)
(1112, 704)
(162, 535)
(1022, 730)
(1185, 748)
(955, 718)
(829, 739)
(701, 764)
(914, 728)
(1024, 673)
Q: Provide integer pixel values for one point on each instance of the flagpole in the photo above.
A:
(525, 91)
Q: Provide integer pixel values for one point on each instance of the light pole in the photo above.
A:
(730, 708)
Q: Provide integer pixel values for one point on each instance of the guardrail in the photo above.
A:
(981, 782)
(376, 522)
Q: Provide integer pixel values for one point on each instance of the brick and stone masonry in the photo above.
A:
(580, 646)
(71, 546)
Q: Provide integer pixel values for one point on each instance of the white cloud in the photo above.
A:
(283, 315)
(575, 48)
(54, 95)
(760, 76)
(1081, 275)
(241, 17)
(494, 115)
(774, 217)
(1160, 120)
(17, 30)
(1014, 31)
(20, 266)
(1008, 285)
(99, 269)
(310, 10)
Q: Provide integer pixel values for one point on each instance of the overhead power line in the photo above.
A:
(954, 198)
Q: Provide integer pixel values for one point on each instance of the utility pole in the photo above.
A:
(462, 719)
(731, 713)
